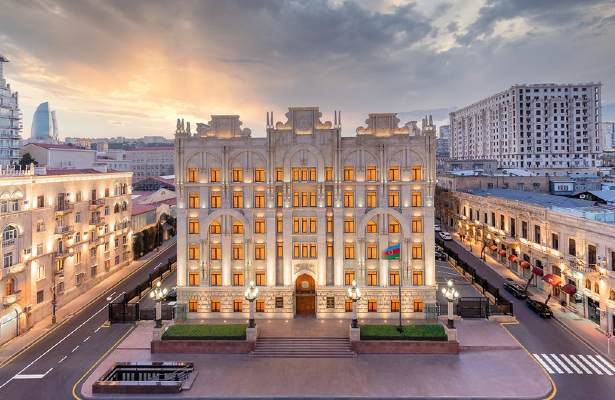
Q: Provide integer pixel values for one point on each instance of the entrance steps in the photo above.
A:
(303, 347)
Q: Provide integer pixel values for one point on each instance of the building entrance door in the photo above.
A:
(593, 310)
(305, 296)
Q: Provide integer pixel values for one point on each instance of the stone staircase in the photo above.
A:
(303, 347)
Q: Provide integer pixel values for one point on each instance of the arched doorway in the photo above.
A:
(305, 295)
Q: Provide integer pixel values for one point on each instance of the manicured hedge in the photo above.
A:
(205, 332)
(410, 332)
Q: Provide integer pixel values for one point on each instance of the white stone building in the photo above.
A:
(303, 212)
(56, 155)
(10, 120)
(532, 126)
(62, 230)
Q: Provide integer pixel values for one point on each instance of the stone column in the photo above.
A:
(383, 243)
(338, 246)
(182, 246)
(270, 248)
(226, 251)
(321, 246)
(288, 246)
(429, 249)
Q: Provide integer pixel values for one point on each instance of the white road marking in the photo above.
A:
(62, 359)
(573, 365)
(86, 339)
(97, 329)
(605, 362)
(32, 376)
(598, 363)
(105, 307)
(555, 366)
(549, 370)
(587, 371)
(589, 363)
(558, 361)
(75, 349)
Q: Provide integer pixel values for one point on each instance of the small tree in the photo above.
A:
(26, 160)
(137, 245)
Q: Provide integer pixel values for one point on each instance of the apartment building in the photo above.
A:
(63, 231)
(304, 212)
(10, 120)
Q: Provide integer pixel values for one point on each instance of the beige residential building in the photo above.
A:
(303, 212)
(62, 232)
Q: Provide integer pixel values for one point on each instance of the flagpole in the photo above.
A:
(400, 328)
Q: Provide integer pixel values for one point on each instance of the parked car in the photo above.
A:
(437, 227)
(441, 256)
(539, 308)
(439, 248)
(172, 295)
(515, 289)
(445, 235)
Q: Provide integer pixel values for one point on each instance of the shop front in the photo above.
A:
(593, 310)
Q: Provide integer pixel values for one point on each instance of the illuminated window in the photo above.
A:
(304, 225)
(372, 227)
(417, 225)
(215, 227)
(216, 278)
(329, 249)
(329, 198)
(329, 174)
(215, 252)
(393, 226)
(194, 252)
(417, 173)
(259, 199)
(348, 225)
(304, 251)
(238, 252)
(193, 175)
(395, 305)
(260, 278)
(393, 198)
(215, 200)
(237, 175)
(348, 173)
(193, 226)
(312, 174)
(237, 227)
(418, 305)
(279, 174)
(192, 305)
(296, 225)
(260, 305)
(417, 199)
(348, 199)
(372, 251)
(394, 278)
(371, 199)
(312, 224)
(394, 173)
(305, 174)
(349, 251)
(193, 200)
(348, 277)
(259, 175)
(372, 173)
(279, 199)
(329, 224)
(372, 278)
(238, 279)
(215, 306)
(417, 278)
(417, 251)
(296, 199)
(193, 279)
(279, 225)
(313, 252)
(237, 199)
(280, 250)
(296, 250)
(296, 174)
(348, 305)
(259, 251)
(259, 226)
(312, 199)
(372, 305)
(214, 175)
(237, 305)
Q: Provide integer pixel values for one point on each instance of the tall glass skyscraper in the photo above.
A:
(10, 120)
(44, 124)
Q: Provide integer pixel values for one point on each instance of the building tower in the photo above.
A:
(10, 120)
(44, 124)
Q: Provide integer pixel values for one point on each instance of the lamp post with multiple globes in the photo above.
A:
(451, 294)
(250, 294)
(354, 293)
(158, 294)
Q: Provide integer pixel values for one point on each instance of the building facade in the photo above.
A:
(571, 238)
(44, 125)
(63, 231)
(10, 121)
(304, 212)
(532, 126)
(151, 161)
(608, 135)
(59, 156)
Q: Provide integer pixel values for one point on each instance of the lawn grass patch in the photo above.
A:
(409, 332)
(205, 332)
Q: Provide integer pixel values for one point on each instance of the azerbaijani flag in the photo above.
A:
(392, 252)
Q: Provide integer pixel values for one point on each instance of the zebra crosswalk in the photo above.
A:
(581, 364)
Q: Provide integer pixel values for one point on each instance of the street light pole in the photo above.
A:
(158, 294)
(250, 295)
(354, 293)
(451, 294)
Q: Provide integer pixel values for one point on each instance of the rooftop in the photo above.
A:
(153, 148)
(540, 199)
(58, 146)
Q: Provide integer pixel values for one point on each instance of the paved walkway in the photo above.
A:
(15, 345)
(584, 329)
(497, 368)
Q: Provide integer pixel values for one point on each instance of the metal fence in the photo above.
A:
(154, 275)
(150, 313)
(121, 313)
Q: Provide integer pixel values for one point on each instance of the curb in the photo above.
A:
(581, 338)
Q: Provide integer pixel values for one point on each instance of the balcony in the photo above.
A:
(11, 298)
(63, 253)
(94, 204)
(97, 221)
(64, 230)
(64, 208)
(16, 268)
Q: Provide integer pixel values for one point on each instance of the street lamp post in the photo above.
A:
(451, 294)
(250, 295)
(158, 294)
(354, 293)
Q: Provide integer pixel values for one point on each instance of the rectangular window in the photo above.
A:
(312, 224)
(372, 227)
(296, 174)
(215, 228)
(349, 251)
(279, 174)
(260, 305)
(193, 200)
(236, 229)
(193, 279)
(348, 173)
(330, 302)
(329, 250)
(417, 199)
(279, 302)
(394, 278)
(192, 305)
(348, 225)
(214, 175)
(216, 278)
(572, 247)
(372, 305)
(537, 233)
(259, 200)
(193, 226)
(194, 252)
(418, 305)
(329, 224)
(313, 174)
(348, 305)
(513, 227)
(193, 175)
(215, 306)
(393, 198)
(237, 305)
(313, 253)
(238, 279)
(259, 175)
(279, 225)
(417, 278)
(372, 173)
(279, 250)
(328, 174)
(349, 199)
(393, 226)
(237, 175)
(237, 199)
(372, 278)
(417, 173)
(215, 200)
(296, 250)
(215, 252)
(394, 174)
(348, 277)
(555, 241)
(260, 278)
(417, 251)
(394, 305)
(279, 199)
(417, 225)
(372, 251)
(259, 252)
(524, 229)
(591, 255)
(259, 226)
(237, 251)
(371, 199)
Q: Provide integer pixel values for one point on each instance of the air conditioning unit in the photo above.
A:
(28, 250)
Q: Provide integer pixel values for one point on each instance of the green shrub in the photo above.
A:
(205, 332)
(409, 332)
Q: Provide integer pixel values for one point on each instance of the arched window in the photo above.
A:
(9, 233)
(612, 295)
(588, 284)
(124, 206)
(215, 227)
(116, 208)
(372, 227)
(237, 227)
(596, 287)
(9, 289)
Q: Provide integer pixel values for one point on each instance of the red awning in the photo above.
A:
(502, 253)
(537, 271)
(524, 264)
(553, 280)
(493, 247)
(569, 288)
(512, 258)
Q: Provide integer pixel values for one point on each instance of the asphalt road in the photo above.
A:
(50, 367)
(546, 336)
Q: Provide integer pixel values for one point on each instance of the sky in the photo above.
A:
(131, 67)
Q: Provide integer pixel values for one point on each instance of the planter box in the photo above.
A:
(202, 346)
(405, 347)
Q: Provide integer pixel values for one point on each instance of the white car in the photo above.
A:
(445, 235)
(437, 228)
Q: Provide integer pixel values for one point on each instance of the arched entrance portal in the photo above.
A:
(305, 295)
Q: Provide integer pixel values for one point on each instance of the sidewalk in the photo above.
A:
(582, 328)
(64, 313)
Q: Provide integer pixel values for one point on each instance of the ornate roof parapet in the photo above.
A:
(383, 124)
(180, 129)
(302, 121)
(223, 127)
(427, 126)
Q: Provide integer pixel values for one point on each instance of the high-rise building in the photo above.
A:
(443, 142)
(608, 135)
(303, 213)
(532, 126)
(10, 120)
(44, 124)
